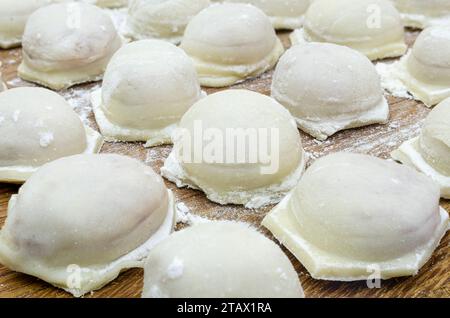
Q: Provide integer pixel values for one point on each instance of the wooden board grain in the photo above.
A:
(379, 140)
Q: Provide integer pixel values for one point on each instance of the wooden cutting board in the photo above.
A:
(379, 140)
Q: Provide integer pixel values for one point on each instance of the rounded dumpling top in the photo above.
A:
(230, 118)
(219, 259)
(365, 208)
(373, 27)
(87, 211)
(102, 218)
(13, 17)
(162, 19)
(429, 60)
(72, 34)
(37, 126)
(284, 14)
(434, 8)
(236, 33)
(434, 140)
(320, 80)
(149, 84)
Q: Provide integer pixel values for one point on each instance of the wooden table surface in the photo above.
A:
(406, 117)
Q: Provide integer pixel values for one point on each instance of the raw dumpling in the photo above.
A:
(430, 152)
(231, 42)
(312, 81)
(13, 16)
(67, 44)
(219, 260)
(353, 216)
(425, 70)
(80, 220)
(38, 126)
(420, 13)
(147, 87)
(239, 147)
(286, 14)
(162, 19)
(373, 27)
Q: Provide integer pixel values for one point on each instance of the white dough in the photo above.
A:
(239, 147)
(162, 19)
(109, 3)
(430, 152)
(285, 14)
(328, 88)
(219, 260)
(2, 85)
(80, 220)
(67, 44)
(373, 27)
(38, 126)
(425, 70)
(421, 14)
(231, 42)
(353, 216)
(147, 87)
(13, 17)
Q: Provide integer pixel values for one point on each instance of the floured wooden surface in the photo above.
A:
(379, 140)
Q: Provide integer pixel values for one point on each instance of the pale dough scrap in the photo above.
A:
(2, 85)
(67, 44)
(286, 14)
(353, 216)
(76, 227)
(373, 27)
(109, 3)
(312, 81)
(231, 42)
(239, 147)
(430, 151)
(165, 20)
(220, 259)
(425, 70)
(421, 14)
(13, 17)
(38, 126)
(147, 87)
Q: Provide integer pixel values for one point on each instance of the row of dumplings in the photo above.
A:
(80, 220)
(240, 43)
(47, 231)
(168, 19)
